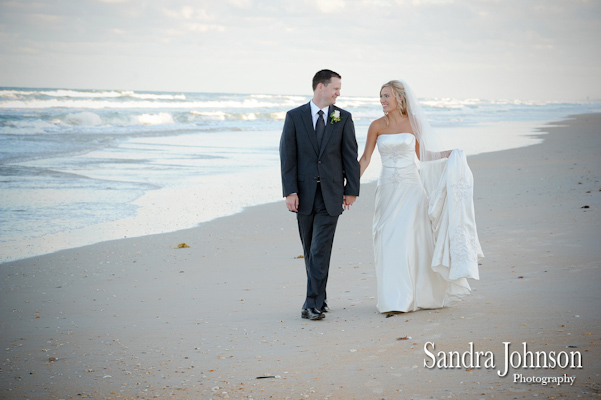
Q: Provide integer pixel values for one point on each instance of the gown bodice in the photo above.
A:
(399, 161)
(397, 150)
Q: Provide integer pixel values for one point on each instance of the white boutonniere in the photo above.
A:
(335, 116)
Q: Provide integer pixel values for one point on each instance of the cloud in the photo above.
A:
(443, 46)
(204, 27)
(46, 21)
(330, 6)
(188, 12)
(240, 3)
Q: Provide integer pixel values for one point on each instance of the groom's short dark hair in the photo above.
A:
(324, 76)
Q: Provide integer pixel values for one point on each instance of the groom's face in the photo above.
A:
(331, 91)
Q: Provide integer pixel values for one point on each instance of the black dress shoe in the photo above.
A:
(312, 313)
(325, 308)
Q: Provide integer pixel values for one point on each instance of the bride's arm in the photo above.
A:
(432, 155)
(370, 145)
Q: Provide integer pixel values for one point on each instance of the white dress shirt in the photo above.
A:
(315, 115)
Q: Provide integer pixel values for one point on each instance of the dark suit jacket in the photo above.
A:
(303, 162)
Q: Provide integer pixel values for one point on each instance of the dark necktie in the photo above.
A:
(320, 128)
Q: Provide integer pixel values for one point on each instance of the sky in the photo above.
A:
(489, 49)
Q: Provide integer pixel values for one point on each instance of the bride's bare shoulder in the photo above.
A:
(378, 125)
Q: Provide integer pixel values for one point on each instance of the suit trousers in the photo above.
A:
(317, 236)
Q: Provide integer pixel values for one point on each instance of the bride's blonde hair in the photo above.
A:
(399, 94)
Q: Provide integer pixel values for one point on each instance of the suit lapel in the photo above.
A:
(308, 121)
(328, 133)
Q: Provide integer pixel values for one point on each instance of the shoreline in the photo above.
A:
(137, 318)
(157, 213)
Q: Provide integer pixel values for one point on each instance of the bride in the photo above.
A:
(415, 246)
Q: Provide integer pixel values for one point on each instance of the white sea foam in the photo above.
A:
(158, 96)
(193, 148)
(92, 99)
(278, 116)
(106, 104)
(73, 93)
(248, 116)
(152, 119)
(216, 115)
(89, 94)
(85, 118)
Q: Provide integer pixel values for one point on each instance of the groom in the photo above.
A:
(320, 176)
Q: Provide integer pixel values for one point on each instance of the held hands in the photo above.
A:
(292, 202)
(348, 201)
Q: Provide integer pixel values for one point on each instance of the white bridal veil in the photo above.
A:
(431, 146)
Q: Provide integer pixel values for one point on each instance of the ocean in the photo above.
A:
(84, 166)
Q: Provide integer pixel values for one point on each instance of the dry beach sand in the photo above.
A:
(138, 318)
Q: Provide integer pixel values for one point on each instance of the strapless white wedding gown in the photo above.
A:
(403, 237)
